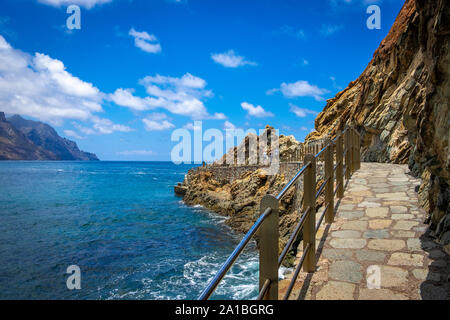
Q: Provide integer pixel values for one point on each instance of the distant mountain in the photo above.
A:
(22, 139)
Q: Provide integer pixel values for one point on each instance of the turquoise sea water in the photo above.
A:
(121, 224)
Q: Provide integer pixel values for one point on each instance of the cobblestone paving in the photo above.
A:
(378, 237)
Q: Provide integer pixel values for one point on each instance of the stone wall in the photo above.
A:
(227, 174)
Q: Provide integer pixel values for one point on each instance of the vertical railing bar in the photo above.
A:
(268, 248)
(329, 197)
(309, 236)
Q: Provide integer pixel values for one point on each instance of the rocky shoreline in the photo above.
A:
(399, 105)
(239, 197)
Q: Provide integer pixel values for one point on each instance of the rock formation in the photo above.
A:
(239, 198)
(22, 139)
(400, 104)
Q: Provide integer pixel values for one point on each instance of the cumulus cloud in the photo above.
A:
(125, 98)
(300, 88)
(82, 129)
(191, 126)
(181, 96)
(302, 112)
(106, 126)
(144, 41)
(230, 59)
(257, 111)
(72, 134)
(157, 122)
(40, 87)
(227, 125)
(88, 4)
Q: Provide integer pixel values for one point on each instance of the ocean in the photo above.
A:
(121, 224)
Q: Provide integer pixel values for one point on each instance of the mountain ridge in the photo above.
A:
(22, 139)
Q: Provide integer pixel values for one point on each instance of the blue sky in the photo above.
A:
(139, 69)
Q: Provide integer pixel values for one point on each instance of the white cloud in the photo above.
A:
(144, 41)
(191, 126)
(218, 116)
(101, 126)
(328, 30)
(300, 88)
(230, 60)
(88, 4)
(39, 86)
(67, 83)
(125, 98)
(157, 122)
(106, 126)
(333, 80)
(73, 134)
(136, 153)
(182, 96)
(156, 116)
(257, 111)
(301, 112)
(227, 125)
(82, 129)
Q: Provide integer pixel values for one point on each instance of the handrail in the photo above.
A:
(268, 280)
(322, 186)
(236, 252)
(297, 271)
(264, 289)
(292, 181)
(320, 152)
(294, 235)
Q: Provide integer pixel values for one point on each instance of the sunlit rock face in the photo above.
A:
(400, 104)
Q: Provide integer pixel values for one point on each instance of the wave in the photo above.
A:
(241, 282)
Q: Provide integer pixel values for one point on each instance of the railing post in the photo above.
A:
(309, 229)
(357, 150)
(268, 248)
(329, 196)
(353, 137)
(340, 166)
(348, 153)
(352, 149)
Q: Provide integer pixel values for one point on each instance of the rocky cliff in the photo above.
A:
(22, 139)
(239, 198)
(400, 104)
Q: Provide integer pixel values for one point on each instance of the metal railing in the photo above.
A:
(346, 148)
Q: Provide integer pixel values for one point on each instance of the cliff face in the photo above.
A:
(22, 139)
(14, 145)
(400, 104)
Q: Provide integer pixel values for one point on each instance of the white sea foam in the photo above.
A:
(283, 271)
(241, 282)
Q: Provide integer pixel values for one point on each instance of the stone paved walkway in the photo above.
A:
(378, 235)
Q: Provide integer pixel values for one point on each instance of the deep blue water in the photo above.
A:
(121, 224)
